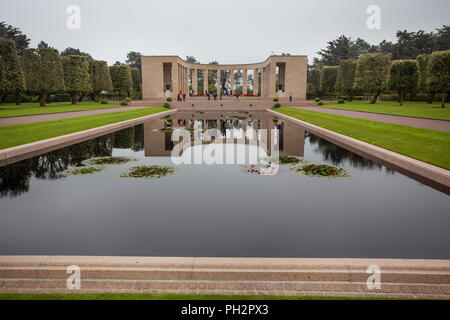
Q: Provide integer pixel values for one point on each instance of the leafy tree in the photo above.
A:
(411, 44)
(12, 80)
(386, 47)
(404, 77)
(42, 45)
(43, 72)
(100, 78)
(14, 34)
(136, 77)
(337, 50)
(76, 76)
(439, 73)
(75, 52)
(346, 78)
(191, 59)
(371, 73)
(328, 79)
(134, 60)
(314, 80)
(423, 61)
(442, 39)
(121, 79)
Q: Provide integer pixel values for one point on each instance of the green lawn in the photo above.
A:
(27, 110)
(152, 296)
(410, 109)
(431, 146)
(18, 134)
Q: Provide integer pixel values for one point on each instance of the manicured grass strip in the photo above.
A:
(152, 296)
(409, 109)
(431, 146)
(18, 134)
(17, 111)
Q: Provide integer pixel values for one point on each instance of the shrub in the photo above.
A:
(317, 99)
(276, 99)
(104, 102)
(166, 105)
(128, 99)
(124, 103)
(277, 105)
(169, 99)
(340, 101)
(320, 103)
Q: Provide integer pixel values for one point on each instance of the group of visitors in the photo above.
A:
(181, 96)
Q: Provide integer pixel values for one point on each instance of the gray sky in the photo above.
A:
(232, 31)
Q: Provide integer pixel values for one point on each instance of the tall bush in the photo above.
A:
(328, 79)
(404, 77)
(76, 76)
(121, 80)
(439, 73)
(43, 72)
(12, 80)
(371, 73)
(346, 78)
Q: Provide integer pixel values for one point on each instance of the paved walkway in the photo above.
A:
(434, 124)
(400, 278)
(63, 115)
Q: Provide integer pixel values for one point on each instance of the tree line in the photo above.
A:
(418, 62)
(43, 71)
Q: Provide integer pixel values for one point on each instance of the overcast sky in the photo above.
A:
(232, 31)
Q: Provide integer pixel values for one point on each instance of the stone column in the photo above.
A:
(263, 78)
(232, 79)
(218, 82)
(194, 81)
(175, 85)
(272, 78)
(205, 80)
(255, 82)
(244, 83)
(186, 81)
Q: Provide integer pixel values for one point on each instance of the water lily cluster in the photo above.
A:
(149, 172)
(94, 165)
(321, 170)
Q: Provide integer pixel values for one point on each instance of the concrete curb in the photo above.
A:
(15, 154)
(401, 278)
(426, 173)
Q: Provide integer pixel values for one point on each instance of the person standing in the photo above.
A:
(184, 97)
(237, 97)
(290, 97)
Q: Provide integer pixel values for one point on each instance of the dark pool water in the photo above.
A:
(218, 210)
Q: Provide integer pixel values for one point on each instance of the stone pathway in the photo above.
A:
(399, 278)
(62, 115)
(434, 124)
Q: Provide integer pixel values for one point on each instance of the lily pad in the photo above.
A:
(84, 170)
(321, 170)
(110, 160)
(149, 172)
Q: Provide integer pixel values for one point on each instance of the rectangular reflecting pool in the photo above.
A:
(217, 210)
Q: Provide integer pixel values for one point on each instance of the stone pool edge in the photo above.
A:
(18, 153)
(406, 165)
(399, 278)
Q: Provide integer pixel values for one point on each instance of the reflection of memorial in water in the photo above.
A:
(225, 127)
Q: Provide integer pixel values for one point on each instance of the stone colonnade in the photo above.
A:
(166, 76)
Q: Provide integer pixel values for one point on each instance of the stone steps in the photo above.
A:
(317, 277)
